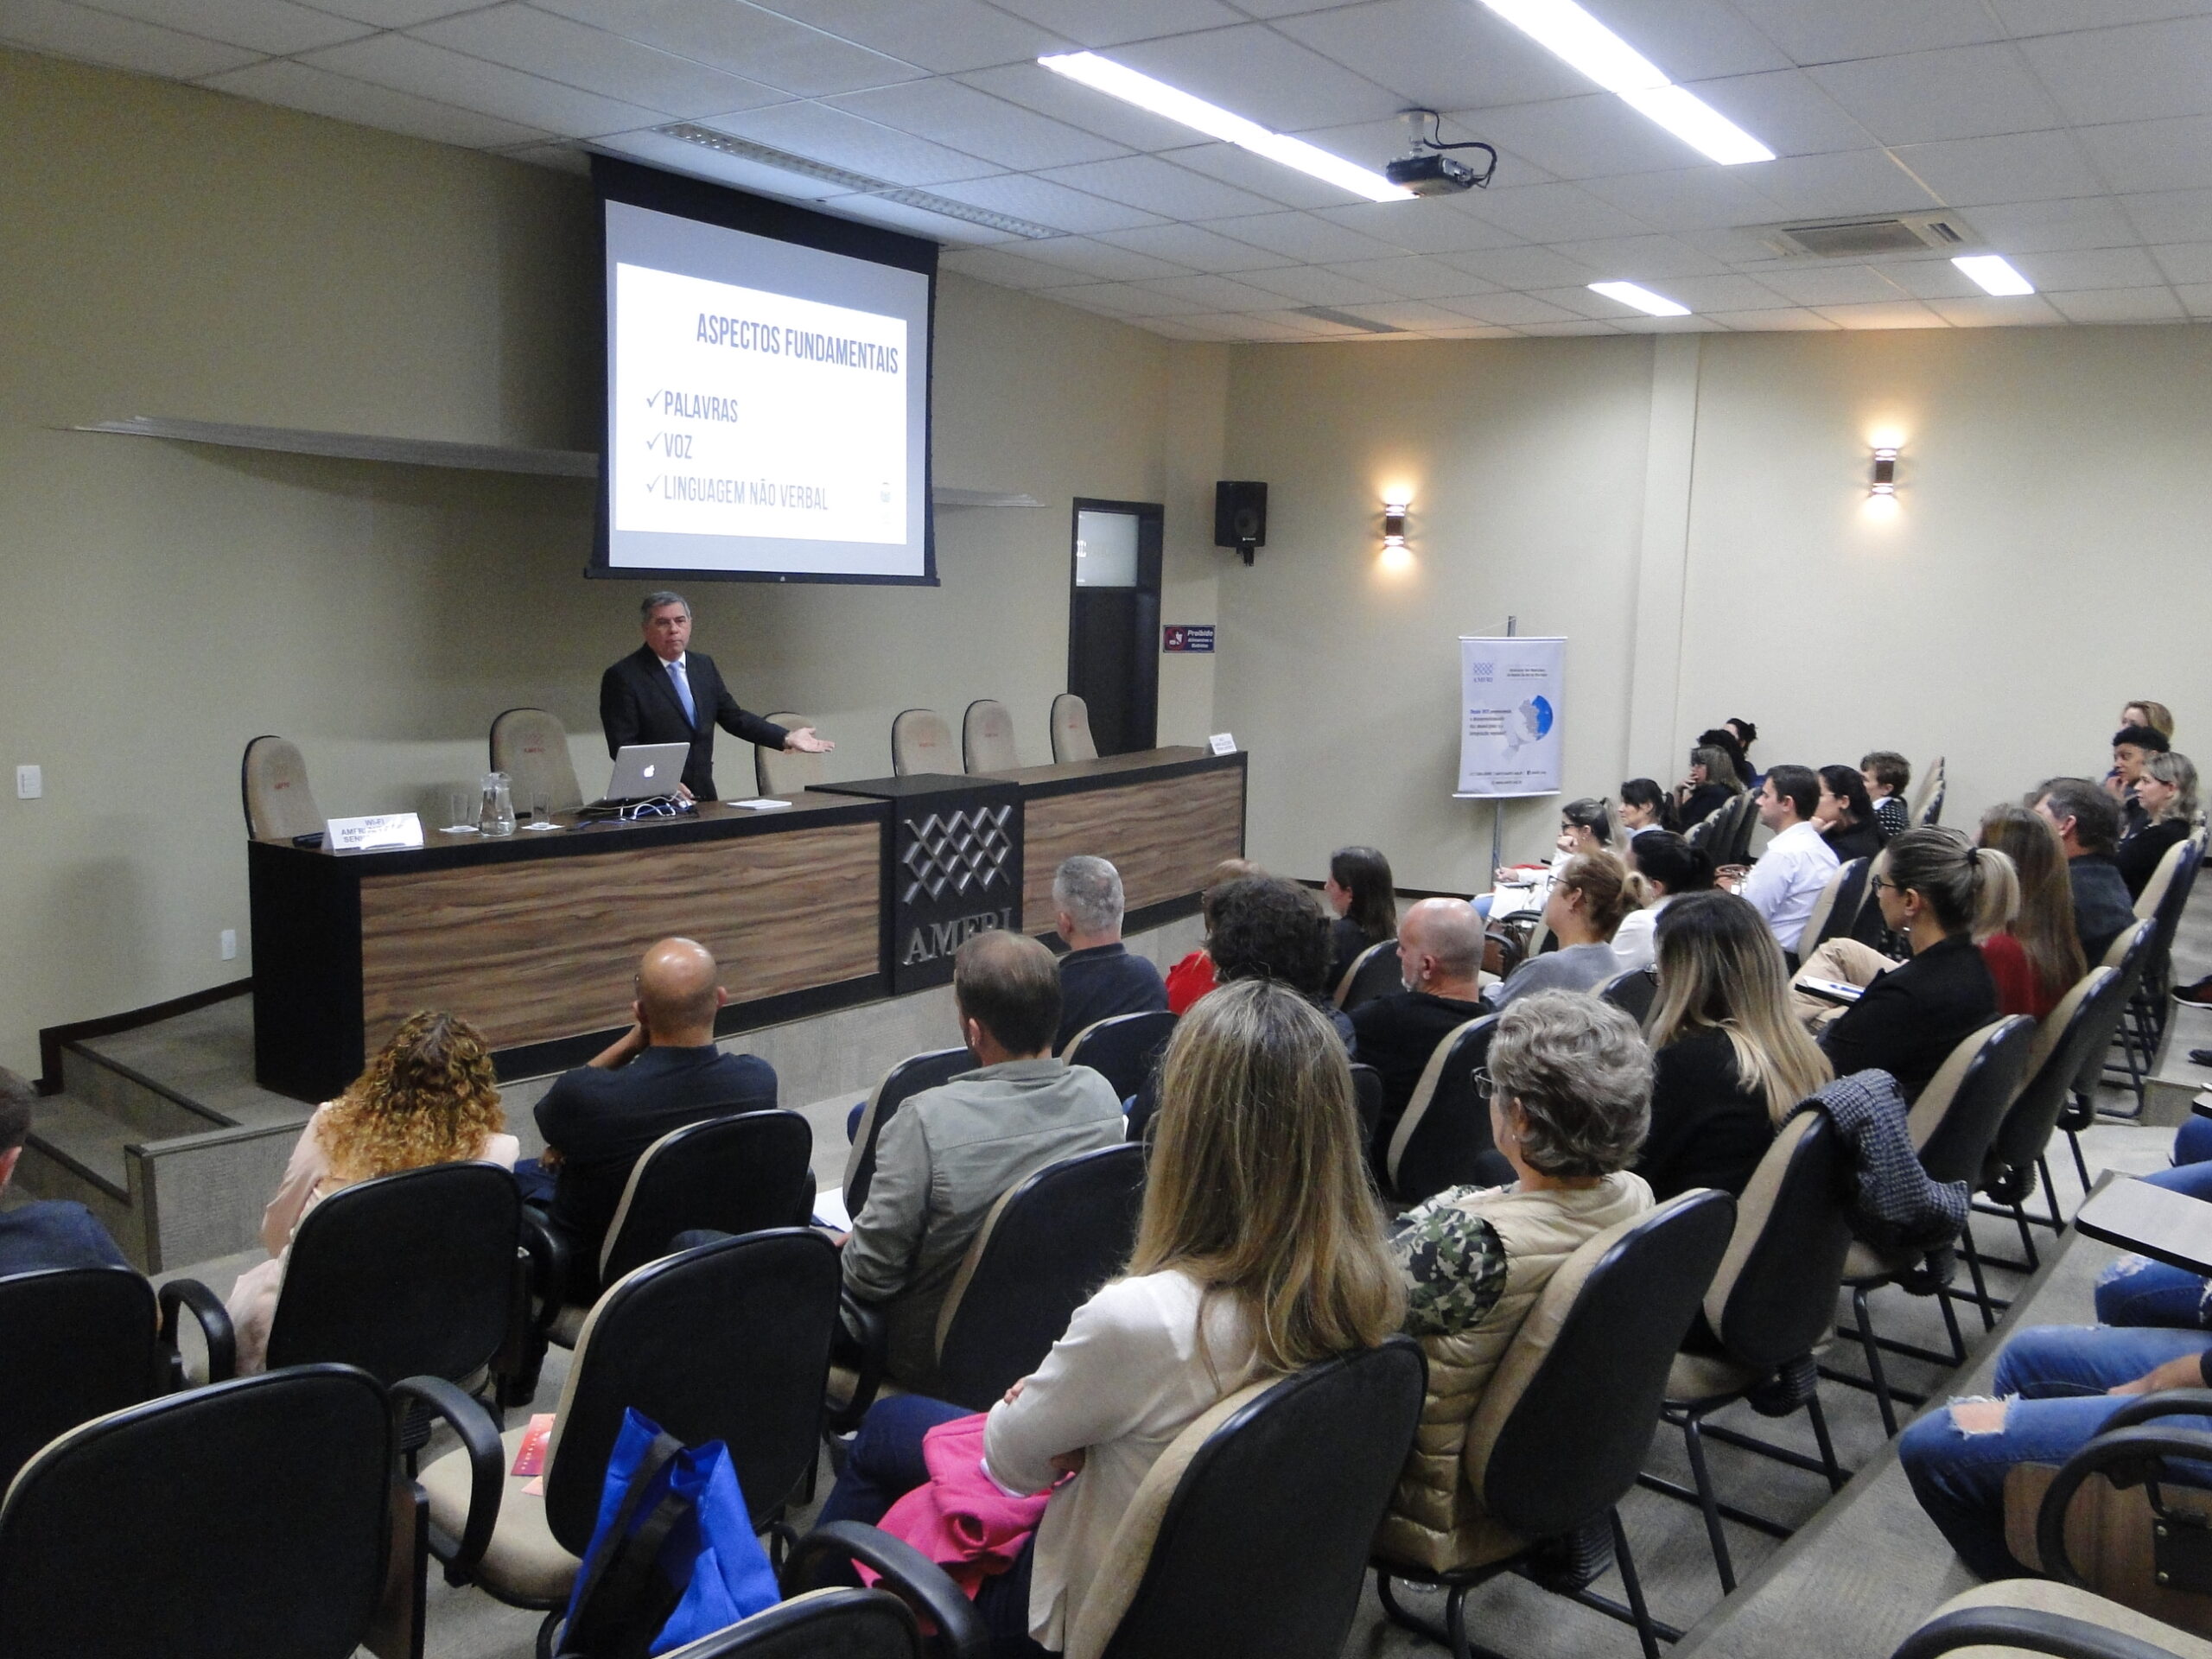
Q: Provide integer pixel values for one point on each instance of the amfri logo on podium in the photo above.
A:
(935, 939)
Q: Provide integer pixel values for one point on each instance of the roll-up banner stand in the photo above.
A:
(1510, 699)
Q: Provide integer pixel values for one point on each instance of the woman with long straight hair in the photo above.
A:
(1710, 785)
(1845, 815)
(2166, 791)
(2037, 958)
(1733, 1061)
(1942, 892)
(1259, 1251)
(1363, 896)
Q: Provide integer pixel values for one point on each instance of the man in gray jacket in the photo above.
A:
(943, 1160)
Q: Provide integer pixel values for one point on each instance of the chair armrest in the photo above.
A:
(214, 1325)
(2022, 1627)
(2167, 1402)
(906, 1573)
(549, 1269)
(875, 1349)
(487, 1468)
(2125, 1457)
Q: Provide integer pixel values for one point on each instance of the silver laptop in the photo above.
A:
(643, 769)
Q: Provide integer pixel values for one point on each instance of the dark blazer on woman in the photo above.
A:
(1709, 1127)
(1910, 1019)
(2138, 855)
(1860, 840)
(1705, 800)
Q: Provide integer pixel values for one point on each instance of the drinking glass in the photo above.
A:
(541, 810)
(461, 821)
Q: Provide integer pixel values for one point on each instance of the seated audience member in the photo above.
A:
(1710, 785)
(1570, 1089)
(1846, 816)
(1745, 734)
(428, 1097)
(947, 1154)
(1887, 774)
(1237, 1275)
(2131, 746)
(1440, 958)
(2087, 821)
(1361, 891)
(1665, 866)
(2165, 790)
(1585, 826)
(1644, 806)
(1192, 977)
(1265, 927)
(1731, 1063)
(1098, 976)
(1589, 896)
(1723, 737)
(1797, 862)
(661, 1074)
(2055, 1387)
(48, 1232)
(2036, 959)
(1939, 890)
(2156, 716)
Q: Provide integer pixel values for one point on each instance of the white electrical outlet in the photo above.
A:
(30, 783)
(229, 944)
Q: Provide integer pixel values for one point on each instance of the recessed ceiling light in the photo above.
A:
(1564, 27)
(1656, 305)
(1105, 75)
(1995, 274)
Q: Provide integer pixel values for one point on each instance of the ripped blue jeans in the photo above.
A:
(2059, 1375)
(2136, 1291)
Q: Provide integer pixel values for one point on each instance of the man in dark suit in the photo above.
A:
(664, 692)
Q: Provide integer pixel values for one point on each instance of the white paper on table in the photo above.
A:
(829, 1209)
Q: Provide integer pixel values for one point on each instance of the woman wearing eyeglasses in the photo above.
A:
(1939, 890)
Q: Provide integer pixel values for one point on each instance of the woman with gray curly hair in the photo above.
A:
(1570, 1100)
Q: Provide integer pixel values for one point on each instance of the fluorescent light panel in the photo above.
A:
(1656, 305)
(1118, 80)
(1565, 28)
(1995, 274)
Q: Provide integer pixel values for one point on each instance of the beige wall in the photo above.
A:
(168, 252)
(1691, 510)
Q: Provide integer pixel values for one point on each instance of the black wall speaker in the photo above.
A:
(1240, 515)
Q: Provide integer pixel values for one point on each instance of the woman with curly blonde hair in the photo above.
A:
(428, 1097)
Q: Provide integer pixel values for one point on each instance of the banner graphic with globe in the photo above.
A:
(1510, 695)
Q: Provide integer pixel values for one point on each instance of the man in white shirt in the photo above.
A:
(1797, 862)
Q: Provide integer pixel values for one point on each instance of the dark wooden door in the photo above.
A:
(1114, 620)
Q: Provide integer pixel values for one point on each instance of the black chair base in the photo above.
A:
(1453, 1633)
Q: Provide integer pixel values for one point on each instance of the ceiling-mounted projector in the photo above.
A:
(1425, 169)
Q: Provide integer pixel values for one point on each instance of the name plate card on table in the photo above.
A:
(383, 832)
(1222, 743)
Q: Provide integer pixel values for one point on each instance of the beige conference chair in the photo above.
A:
(987, 738)
(783, 772)
(921, 741)
(273, 783)
(531, 746)
(1071, 739)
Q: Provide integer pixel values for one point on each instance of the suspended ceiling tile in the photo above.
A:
(1686, 199)
(1318, 285)
(1046, 203)
(1554, 212)
(1830, 285)
(1506, 310)
(2087, 268)
(1591, 136)
(1932, 278)
(1159, 187)
(559, 49)
(1007, 269)
(1765, 320)
(945, 35)
(2138, 74)
(2025, 17)
(693, 161)
(1560, 330)
(1991, 311)
(407, 65)
(1832, 187)
(1827, 31)
(1445, 54)
(1414, 278)
(1523, 267)
(276, 27)
(1902, 314)
(1264, 77)
(1217, 292)
(64, 30)
(562, 157)
(1111, 22)
(823, 133)
(1303, 236)
(301, 86)
(1638, 258)
(1100, 261)
(2169, 216)
(1270, 181)
(744, 41)
(2120, 305)
(1707, 295)
(1196, 247)
(954, 113)
(2140, 155)
(1787, 111)
(1967, 92)
(2196, 297)
(2023, 167)
(2185, 262)
(2029, 226)
(1438, 225)
(396, 14)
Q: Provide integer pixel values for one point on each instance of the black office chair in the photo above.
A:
(744, 1173)
(412, 1274)
(1633, 992)
(1124, 1050)
(1558, 1435)
(1740, 831)
(1367, 1101)
(78, 1342)
(728, 1342)
(1444, 1139)
(253, 1516)
(899, 1085)
(833, 1623)
(1374, 972)
(2017, 1616)
(1767, 1309)
(2131, 953)
(1250, 1534)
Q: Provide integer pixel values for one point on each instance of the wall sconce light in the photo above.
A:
(1394, 522)
(1885, 481)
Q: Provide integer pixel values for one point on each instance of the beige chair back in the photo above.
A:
(921, 741)
(783, 772)
(1823, 907)
(1935, 1102)
(1931, 781)
(273, 782)
(1072, 730)
(987, 738)
(2146, 904)
(531, 746)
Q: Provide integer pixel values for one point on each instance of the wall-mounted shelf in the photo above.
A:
(944, 496)
(358, 446)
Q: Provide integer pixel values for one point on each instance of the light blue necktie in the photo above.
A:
(684, 692)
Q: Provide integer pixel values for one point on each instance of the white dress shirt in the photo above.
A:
(1783, 884)
(1635, 940)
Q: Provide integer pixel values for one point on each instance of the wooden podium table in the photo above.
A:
(534, 937)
